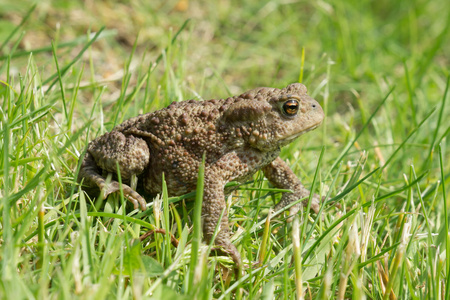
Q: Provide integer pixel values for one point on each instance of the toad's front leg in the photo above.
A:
(281, 176)
(213, 208)
(227, 168)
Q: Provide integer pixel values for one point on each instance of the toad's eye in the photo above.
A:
(291, 107)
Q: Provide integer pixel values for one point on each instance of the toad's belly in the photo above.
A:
(177, 186)
(180, 174)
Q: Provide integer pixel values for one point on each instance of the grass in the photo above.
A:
(71, 71)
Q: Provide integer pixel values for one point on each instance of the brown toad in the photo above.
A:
(240, 135)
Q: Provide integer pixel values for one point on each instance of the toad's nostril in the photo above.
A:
(314, 106)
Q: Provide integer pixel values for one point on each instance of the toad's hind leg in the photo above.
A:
(129, 153)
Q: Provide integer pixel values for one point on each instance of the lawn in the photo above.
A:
(72, 70)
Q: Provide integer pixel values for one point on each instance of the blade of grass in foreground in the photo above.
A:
(165, 196)
(308, 207)
(297, 257)
(197, 237)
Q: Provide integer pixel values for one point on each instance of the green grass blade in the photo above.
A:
(439, 120)
(352, 211)
(308, 207)
(63, 97)
(166, 208)
(349, 145)
(447, 229)
(24, 20)
(408, 137)
(58, 74)
(197, 236)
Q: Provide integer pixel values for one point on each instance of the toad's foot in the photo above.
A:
(293, 210)
(231, 250)
(128, 192)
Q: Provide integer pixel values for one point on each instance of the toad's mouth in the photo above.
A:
(296, 135)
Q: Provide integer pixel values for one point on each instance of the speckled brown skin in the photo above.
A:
(240, 135)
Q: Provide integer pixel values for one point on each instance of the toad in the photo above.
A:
(239, 136)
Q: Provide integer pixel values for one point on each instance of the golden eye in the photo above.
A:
(291, 107)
